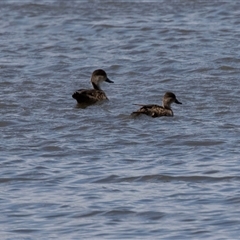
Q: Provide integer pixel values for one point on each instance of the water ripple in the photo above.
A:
(97, 172)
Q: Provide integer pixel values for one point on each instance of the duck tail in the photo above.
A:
(75, 95)
(137, 104)
(135, 114)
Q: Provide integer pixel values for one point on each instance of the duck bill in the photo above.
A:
(176, 101)
(108, 80)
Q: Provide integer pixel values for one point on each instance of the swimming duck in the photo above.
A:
(158, 111)
(90, 96)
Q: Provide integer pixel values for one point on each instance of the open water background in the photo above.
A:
(98, 173)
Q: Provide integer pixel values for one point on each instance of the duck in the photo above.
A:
(156, 110)
(91, 96)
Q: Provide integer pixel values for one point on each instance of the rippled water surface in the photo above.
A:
(98, 173)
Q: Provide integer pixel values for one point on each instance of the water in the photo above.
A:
(98, 173)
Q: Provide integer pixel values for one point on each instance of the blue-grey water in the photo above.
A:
(98, 173)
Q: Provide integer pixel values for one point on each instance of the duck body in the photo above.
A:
(91, 96)
(154, 110)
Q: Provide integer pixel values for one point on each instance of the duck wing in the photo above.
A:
(150, 110)
(89, 95)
